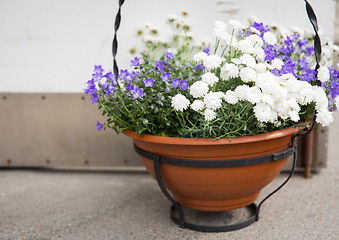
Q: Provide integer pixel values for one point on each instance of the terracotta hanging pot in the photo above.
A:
(216, 189)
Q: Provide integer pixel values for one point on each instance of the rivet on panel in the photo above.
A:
(83, 97)
(125, 161)
(9, 161)
(43, 97)
(4, 97)
(86, 162)
(48, 161)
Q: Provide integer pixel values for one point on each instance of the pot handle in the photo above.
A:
(311, 15)
(317, 48)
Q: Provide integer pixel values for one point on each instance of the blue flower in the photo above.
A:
(261, 28)
(183, 85)
(207, 51)
(165, 77)
(169, 55)
(99, 126)
(175, 83)
(303, 63)
(270, 52)
(98, 69)
(149, 82)
(124, 74)
(109, 75)
(135, 62)
(94, 98)
(199, 67)
(159, 65)
(135, 91)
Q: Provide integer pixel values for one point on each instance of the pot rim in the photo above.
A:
(208, 141)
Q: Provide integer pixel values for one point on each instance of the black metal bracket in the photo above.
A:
(216, 164)
(177, 208)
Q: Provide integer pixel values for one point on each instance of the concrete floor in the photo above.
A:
(37, 205)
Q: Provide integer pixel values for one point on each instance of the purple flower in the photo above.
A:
(149, 82)
(261, 28)
(108, 87)
(165, 77)
(99, 126)
(207, 51)
(136, 92)
(303, 63)
(159, 65)
(270, 52)
(302, 44)
(135, 62)
(288, 67)
(98, 69)
(124, 74)
(109, 75)
(310, 51)
(94, 98)
(199, 67)
(169, 55)
(308, 75)
(97, 76)
(183, 85)
(175, 83)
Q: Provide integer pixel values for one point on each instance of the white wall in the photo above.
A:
(52, 46)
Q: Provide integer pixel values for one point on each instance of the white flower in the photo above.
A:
(209, 78)
(261, 67)
(270, 38)
(254, 30)
(259, 53)
(236, 61)
(209, 114)
(172, 17)
(231, 40)
(324, 118)
(220, 30)
(212, 61)
(254, 95)
(198, 89)
(213, 100)
(298, 30)
(267, 99)
(277, 64)
(248, 74)
(256, 40)
(241, 91)
(323, 74)
(231, 97)
(294, 115)
(180, 102)
(245, 45)
(248, 60)
(236, 24)
(199, 57)
(262, 112)
(172, 50)
(229, 70)
(320, 98)
(305, 95)
(197, 105)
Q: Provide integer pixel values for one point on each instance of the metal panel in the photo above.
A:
(58, 130)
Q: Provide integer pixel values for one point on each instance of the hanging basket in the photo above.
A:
(217, 175)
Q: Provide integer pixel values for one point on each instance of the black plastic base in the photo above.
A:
(252, 209)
